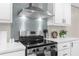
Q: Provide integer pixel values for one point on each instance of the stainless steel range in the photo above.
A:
(38, 45)
(47, 48)
(32, 29)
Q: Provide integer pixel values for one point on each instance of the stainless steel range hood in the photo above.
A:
(34, 12)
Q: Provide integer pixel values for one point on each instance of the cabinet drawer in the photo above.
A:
(63, 45)
(17, 53)
(64, 52)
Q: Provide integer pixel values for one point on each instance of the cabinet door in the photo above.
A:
(59, 12)
(67, 13)
(51, 7)
(17, 53)
(5, 12)
(65, 52)
(75, 48)
(63, 13)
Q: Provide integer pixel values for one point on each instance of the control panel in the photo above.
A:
(41, 49)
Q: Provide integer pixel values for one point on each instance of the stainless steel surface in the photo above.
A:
(44, 49)
(32, 19)
(15, 27)
(31, 24)
(35, 12)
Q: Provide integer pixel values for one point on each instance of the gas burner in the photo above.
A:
(41, 44)
(45, 42)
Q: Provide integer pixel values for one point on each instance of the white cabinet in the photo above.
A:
(75, 48)
(70, 48)
(62, 46)
(16, 53)
(64, 52)
(5, 12)
(67, 13)
(67, 46)
(63, 49)
(61, 14)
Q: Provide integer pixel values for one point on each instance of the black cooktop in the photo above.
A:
(45, 43)
(35, 41)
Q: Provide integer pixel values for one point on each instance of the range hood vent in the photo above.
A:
(34, 12)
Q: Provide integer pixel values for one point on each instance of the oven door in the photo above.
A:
(40, 53)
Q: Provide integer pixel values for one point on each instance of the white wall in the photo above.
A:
(74, 28)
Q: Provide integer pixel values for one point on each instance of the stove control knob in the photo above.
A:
(52, 46)
(33, 50)
(37, 49)
(45, 48)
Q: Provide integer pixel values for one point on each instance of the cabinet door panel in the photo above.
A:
(67, 13)
(64, 52)
(5, 11)
(75, 48)
(17, 53)
(62, 46)
(59, 13)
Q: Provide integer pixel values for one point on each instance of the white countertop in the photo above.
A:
(12, 47)
(59, 40)
(17, 46)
